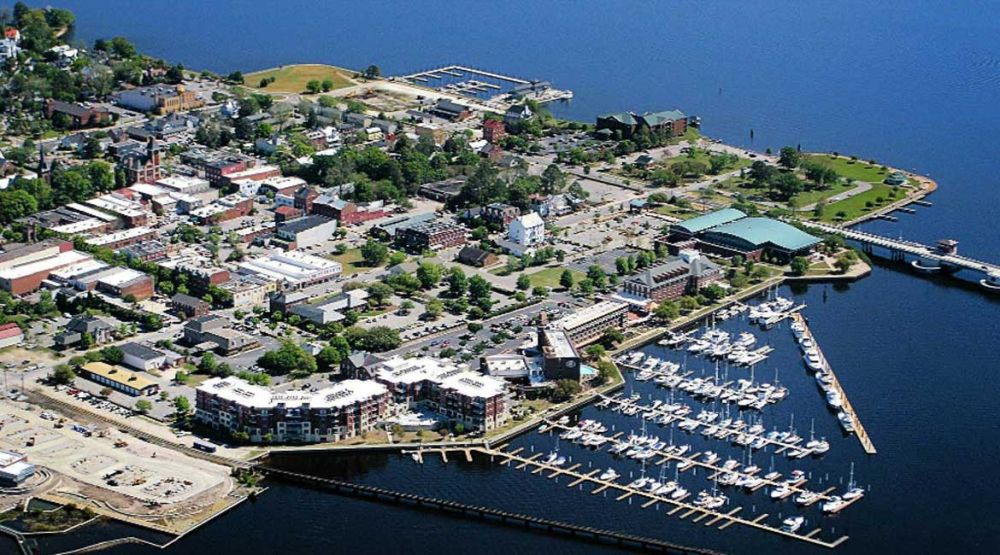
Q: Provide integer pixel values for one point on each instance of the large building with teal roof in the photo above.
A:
(730, 232)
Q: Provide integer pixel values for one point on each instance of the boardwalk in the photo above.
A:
(859, 429)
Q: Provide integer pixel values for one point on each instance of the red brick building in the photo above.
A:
(79, 114)
(494, 131)
(346, 212)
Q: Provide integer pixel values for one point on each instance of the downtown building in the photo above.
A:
(347, 409)
(456, 393)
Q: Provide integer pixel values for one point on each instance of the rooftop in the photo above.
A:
(587, 314)
(712, 219)
(342, 394)
(118, 375)
(765, 230)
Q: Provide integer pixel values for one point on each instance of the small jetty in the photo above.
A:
(847, 408)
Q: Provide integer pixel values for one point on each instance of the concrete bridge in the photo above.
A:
(943, 257)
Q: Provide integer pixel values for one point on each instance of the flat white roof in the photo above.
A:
(181, 183)
(78, 227)
(292, 266)
(47, 264)
(8, 458)
(92, 212)
(118, 236)
(147, 189)
(250, 172)
(342, 394)
(587, 314)
(73, 270)
(121, 277)
(398, 370)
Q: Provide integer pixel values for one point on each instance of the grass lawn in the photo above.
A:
(549, 277)
(858, 170)
(676, 211)
(293, 78)
(351, 260)
(855, 207)
(806, 198)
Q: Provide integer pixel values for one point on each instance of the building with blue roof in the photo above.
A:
(729, 232)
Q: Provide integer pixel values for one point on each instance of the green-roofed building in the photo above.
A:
(672, 122)
(624, 122)
(751, 237)
(694, 226)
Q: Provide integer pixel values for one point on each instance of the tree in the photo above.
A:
(523, 282)
(112, 355)
(595, 351)
(565, 390)
(799, 265)
(433, 309)
(143, 406)
(62, 374)
(207, 364)
(713, 292)
(611, 337)
(429, 274)
(374, 253)
(667, 311)
(789, 158)
(288, 358)
(314, 86)
(566, 279)
(845, 260)
(372, 71)
(540, 291)
(379, 293)
(479, 290)
(553, 180)
(328, 359)
(458, 284)
(181, 405)
(597, 276)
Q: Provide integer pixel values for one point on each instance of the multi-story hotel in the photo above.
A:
(453, 391)
(347, 409)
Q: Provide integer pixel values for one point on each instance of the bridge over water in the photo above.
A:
(943, 257)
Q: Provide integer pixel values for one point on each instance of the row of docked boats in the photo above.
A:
(824, 378)
(719, 345)
(769, 313)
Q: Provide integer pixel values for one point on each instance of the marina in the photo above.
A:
(682, 508)
(489, 86)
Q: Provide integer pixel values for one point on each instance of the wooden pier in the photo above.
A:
(859, 429)
(718, 470)
(623, 492)
(585, 533)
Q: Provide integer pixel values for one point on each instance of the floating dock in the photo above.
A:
(859, 429)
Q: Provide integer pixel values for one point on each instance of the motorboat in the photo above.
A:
(792, 524)
(818, 446)
(679, 493)
(833, 399)
(854, 493)
(554, 459)
(781, 491)
(608, 475)
(833, 504)
(845, 422)
(807, 343)
(806, 498)
(813, 361)
(665, 488)
(639, 483)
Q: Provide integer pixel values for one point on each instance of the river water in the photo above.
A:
(912, 84)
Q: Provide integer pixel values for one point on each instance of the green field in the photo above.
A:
(858, 170)
(293, 78)
(549, 277)
(855, 207)
(351, 260)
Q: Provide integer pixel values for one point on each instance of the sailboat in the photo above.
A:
(817, 446)
(853, 491)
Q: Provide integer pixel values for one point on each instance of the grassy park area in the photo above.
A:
(549, 277)
(351, 260)
(858, 170)
(293, 78)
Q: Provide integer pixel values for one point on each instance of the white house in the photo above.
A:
(9, 45)
(527, 231)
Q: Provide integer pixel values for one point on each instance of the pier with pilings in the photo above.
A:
(682, 508)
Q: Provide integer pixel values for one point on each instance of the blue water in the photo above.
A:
(911, 84)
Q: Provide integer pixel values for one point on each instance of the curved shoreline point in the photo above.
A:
(289, 82)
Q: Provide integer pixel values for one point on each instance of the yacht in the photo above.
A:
(806, 497)
(818, 446)
(833, 504)
(813, 361)
(845, 422)
(792, 524)
(609, 475)
(639, 483)
(665, 488)
(745, 340)
(833, 399)
(806, 343)
(698, 346)
(798, 330)
(679, 493)
(554, 459)
(854, 493)
(781, 491)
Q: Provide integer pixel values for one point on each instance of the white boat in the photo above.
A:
(991, 282)
(781, 491)
(798, 329)
(833, 399)
(639, 483)
(792, 524)
(745, 340)
(854, 493)
(845, 422)
(818, 446)
(806, 343)
(608, 475)
(806, 497)
(833, 504)
(698, 346)
(665, 488)
(679, 493)
(813, 361)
